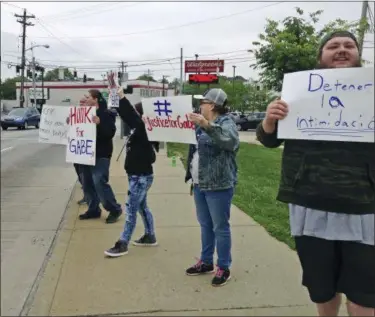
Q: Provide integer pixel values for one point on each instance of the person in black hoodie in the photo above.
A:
(140, 156)
(95, 178)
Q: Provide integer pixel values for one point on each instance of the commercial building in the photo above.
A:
(67, 93)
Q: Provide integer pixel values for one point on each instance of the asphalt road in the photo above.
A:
(36, 184)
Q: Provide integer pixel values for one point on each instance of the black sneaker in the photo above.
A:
(200, 268)
(221, 277)
(120, 248)
(113, 217)
(90, 215)
(146, 240)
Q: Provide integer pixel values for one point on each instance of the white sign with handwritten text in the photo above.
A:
(166, 119)
(81, 136)
(53, 127)
(113, 98)
(330, 104)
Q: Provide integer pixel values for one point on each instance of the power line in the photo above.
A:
(174, 26)
(103, 69)
(80, 15)
(12, 5)
(241, 51)
(62, 42)
(75, 11)
(40, 23)
(115, 64)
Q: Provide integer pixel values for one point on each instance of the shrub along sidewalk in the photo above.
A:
(258, 181)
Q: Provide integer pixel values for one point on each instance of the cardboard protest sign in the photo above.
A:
(166, 119)
(53, 127)
(81, 136)
(330, 104)
(113, 97)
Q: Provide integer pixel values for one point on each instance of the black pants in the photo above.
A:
(331, 267)
(78, 169)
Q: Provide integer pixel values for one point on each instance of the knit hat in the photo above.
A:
(332, 35)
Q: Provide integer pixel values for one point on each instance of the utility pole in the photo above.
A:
(362, 28)
(196, 58)
(123, 70)
(181, 70)
(163, 80)
(234, 76)
(33, 74)
(148, 82)
(23, 20)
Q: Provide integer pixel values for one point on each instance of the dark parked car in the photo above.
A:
(250, 122)
(21, 118)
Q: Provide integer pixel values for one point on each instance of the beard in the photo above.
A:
(322, 65)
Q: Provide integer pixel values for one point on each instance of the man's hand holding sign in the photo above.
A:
(277, 110)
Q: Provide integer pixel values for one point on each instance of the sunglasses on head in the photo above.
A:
(204, 101)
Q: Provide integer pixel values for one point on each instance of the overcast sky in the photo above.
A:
(96, 36)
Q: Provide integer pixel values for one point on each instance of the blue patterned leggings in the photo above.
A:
(137, 201)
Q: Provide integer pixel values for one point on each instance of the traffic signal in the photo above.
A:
(203, 79)
(39, 68)
(84, 78)
(119, 75)
(75, 74)
(18, 67)
(29, 73)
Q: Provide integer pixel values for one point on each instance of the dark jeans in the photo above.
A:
(213, 213)
(97, 189)
(79, 171)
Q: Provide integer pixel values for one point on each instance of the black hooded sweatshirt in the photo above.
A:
(140, 154)
(105, 130)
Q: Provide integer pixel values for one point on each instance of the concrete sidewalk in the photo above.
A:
(79, 280)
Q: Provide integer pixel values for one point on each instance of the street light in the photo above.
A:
(163, 80)
(31, 48)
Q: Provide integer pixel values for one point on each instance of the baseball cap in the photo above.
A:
(216, 95)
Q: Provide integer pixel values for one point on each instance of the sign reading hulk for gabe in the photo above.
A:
(81, 136)
(330, 105)
(166, 119)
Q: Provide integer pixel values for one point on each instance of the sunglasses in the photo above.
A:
(203, 102)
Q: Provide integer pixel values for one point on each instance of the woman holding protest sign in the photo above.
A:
(330, 189)
(95, 178)
(213, 170)
(140, 156)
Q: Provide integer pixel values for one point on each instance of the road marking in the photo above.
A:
(7, 149)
